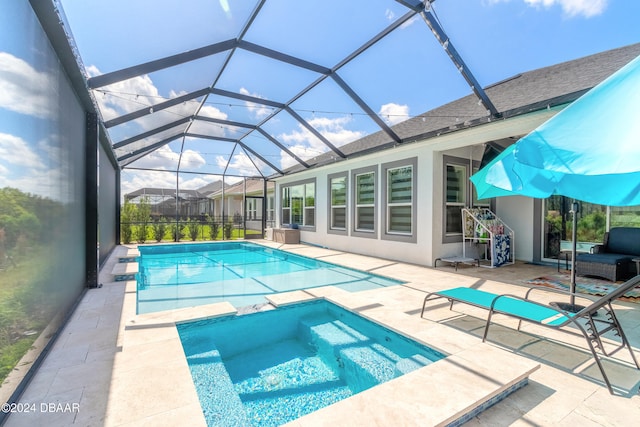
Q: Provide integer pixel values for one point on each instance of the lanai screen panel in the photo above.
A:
(260, 88)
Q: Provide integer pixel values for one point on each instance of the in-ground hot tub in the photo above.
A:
(269, 368)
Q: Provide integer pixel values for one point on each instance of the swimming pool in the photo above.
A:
(271, 367)
(242, 273)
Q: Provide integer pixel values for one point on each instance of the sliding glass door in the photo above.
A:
(593, 221)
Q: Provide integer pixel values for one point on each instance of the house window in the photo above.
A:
(399, 195)
(484, 203)
(338, 203)
(298, 204)
(270, 204)
(365, 187)
(399, 200)
(286, 205)
(309, 217)
(252, 209)
(459, 193)
(455, 197)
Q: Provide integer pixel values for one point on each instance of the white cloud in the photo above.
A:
(240, 163)
(409, 22)
(140, 92)
(23, 89)
(571, 8)
(259, 111)
(587, 8)
(191, 182)
(202, 127)
(389, 14)
(43, 170)
(305, 145)
(16, 152)
(43, 182)
(23, 167)
(191, 160)
(125, 96)
(393, 113)
(210, 111)
(50, 148)
(165, 158)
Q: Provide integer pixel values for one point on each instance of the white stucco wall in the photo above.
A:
(517, 212)
(419, 252)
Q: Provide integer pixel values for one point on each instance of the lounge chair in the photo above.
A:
(551, 316)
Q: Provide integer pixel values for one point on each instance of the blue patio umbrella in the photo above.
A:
(590, 151)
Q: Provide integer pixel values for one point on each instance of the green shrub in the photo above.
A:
(591, 227)
(228, 229)
(194, 228)
(159, 229)
(128, 214)
(142, 217)
(140, 232)
(177, 231)
(214, 230)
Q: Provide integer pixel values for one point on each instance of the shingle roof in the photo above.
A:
(523, 93)
(211, 188)
(163, 192)
(249, 186)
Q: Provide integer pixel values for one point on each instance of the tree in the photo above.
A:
(19, 217)
(194, 228)
(228, 229)
(128, 213)
(591, 227)
(159, 229)
(142, 217)
(214, 227)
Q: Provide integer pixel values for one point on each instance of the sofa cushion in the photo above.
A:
(624, 240)
(604, 258)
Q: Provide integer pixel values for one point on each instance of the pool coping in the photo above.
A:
(425, 394)
(138, 377)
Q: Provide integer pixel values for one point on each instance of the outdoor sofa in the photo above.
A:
(614, 259)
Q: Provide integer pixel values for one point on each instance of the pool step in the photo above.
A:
(222, 406)
(408, 364)
(366, 367)
(130, 255)
(124, 271)
(364, 362)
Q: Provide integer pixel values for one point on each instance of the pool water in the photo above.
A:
(242, 273)
(272, 367)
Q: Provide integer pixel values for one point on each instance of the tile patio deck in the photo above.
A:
(124, 369)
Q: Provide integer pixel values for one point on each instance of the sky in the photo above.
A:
(405, 74)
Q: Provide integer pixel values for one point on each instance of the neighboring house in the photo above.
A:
(404, 201)
(205, 204)
(245, 197)
(163, 200)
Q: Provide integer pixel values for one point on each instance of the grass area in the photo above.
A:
(11, 355)
(26, 305)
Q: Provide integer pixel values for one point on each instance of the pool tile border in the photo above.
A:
(157, 332)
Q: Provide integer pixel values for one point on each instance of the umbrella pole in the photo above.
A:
(574, 250)
(572, 307)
